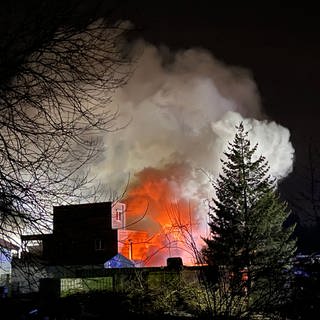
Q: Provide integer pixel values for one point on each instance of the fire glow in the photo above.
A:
(163, 223)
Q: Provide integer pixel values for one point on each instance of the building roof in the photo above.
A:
(29, 237)
(8, 245)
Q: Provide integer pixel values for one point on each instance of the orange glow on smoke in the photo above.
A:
(160, 223)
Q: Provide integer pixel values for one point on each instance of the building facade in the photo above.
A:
(83, 237)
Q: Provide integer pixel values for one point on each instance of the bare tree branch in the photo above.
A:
(59, 68)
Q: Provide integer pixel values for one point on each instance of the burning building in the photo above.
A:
(85, 234)
(84, 237)
(91, 247)
(183, 108)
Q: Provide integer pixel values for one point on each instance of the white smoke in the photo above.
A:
(182, 108)
(273, 141)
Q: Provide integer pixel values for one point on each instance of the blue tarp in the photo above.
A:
(119, 261)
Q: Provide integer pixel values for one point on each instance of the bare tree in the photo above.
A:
(59, 66)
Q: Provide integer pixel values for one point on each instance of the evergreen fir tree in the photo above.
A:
(249, 242)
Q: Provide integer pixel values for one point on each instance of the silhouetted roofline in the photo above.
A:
(82, 205)
(8, 245)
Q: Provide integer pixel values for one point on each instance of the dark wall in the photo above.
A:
(82, 234)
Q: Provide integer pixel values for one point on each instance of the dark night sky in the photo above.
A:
(280, 46)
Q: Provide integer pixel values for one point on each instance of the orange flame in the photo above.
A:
(160, 222)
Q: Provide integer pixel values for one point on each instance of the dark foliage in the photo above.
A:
(249, 243)
(59, 66)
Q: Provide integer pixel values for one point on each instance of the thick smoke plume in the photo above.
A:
(181, 109)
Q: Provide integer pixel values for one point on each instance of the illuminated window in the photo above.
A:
(118, 214)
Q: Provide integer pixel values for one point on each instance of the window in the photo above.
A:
(99, 244)
(118, 214)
